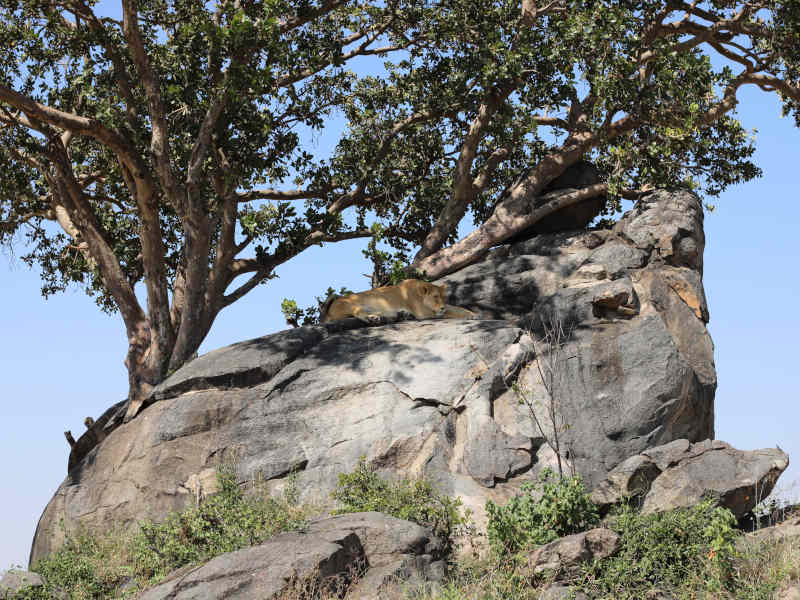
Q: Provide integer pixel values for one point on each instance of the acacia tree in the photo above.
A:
(160, 141)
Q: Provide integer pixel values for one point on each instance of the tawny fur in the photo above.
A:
(456, 312)
(422, 299)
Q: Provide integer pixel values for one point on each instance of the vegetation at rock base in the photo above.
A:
(554, 507)
(364, 490)
(227, 521)
(694, 553)
(162, 143)
(121, 564)
(684, 547)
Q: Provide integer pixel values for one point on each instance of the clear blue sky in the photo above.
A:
(62, 359)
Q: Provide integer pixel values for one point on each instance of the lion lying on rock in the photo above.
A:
(421, 299)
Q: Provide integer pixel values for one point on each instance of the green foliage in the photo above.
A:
(364, 490)
(227, 521)
(668, 550)
(90, 567)
(85, 567)
(296, 316)
(404, 126)
(472, 578)
(28, 593)
(552, 508)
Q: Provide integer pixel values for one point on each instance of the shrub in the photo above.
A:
(92, 567)
(554, 507)
(668, 550)
(364, 490)
(85, 567)
(227, 521)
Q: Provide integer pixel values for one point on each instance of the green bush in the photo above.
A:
(85, 567)
(552, 508)
(364, 490)
(92, 567)
(227, 521)
(668, 550)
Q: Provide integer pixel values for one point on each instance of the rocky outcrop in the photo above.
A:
(681, 474)
(788, 530)
(638, 368)
(363, 551)
(436, 397)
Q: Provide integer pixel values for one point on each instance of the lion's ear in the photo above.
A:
(425, 290)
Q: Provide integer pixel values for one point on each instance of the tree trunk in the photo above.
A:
(143, 376)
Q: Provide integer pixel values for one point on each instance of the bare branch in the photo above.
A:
(362, 49)
(258, 277)
(64, 120)
(273, 194)
(295, 22)
(495, 158)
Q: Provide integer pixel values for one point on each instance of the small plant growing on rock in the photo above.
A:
(364, 490)
(296, 316)
(548, 414)
(554, 507)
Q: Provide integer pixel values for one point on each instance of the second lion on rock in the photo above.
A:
(421, 299)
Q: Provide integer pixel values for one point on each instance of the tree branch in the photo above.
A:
(464, 190)
(159, 140)
(273, 194)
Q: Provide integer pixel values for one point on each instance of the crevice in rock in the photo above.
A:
(282, 385)
(442, 407)
(228, 381)
(296, 467)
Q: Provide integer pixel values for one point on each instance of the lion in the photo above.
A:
(422, 299)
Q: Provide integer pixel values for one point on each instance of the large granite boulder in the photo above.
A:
(681, 474)
(365, 551)
(444, 398)
(637, 369)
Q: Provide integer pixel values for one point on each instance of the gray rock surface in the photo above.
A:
(638, 368)
(680, 474)
(17, 579)
(435, 397)
(372, 546)
(564, 557)
(562, 592)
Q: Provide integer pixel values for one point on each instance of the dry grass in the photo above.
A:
(763, 567)
(317, 587)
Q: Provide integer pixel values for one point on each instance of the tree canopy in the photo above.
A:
(161, 141)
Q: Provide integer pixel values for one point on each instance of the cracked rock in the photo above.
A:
(439, 398)
(376, 547)
(681, 474)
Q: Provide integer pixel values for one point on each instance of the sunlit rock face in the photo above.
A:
(453, 400)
